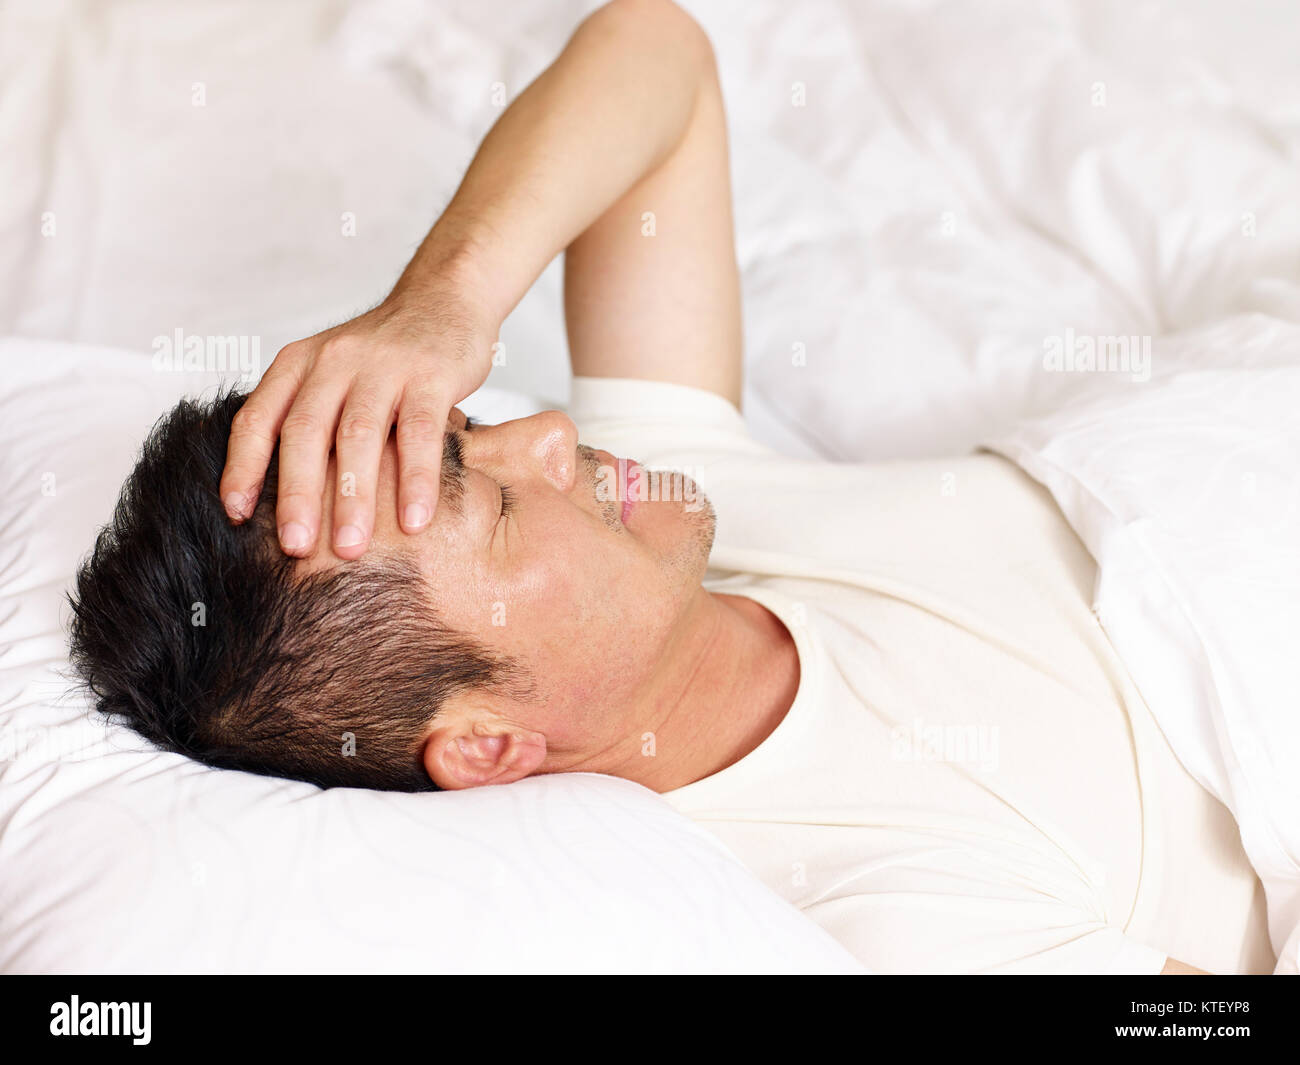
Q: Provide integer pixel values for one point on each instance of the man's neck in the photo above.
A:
(728, 680)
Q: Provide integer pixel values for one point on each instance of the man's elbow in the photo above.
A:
(1173, 967)
(674, 25)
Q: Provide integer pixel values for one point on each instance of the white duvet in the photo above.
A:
(1187, 492)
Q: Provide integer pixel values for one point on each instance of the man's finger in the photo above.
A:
(305, 439)
(421, 425)
(358, 447)
(253, 433)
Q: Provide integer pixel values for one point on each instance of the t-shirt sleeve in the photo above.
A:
(657, 421)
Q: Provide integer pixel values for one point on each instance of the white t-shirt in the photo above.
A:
(967, 780)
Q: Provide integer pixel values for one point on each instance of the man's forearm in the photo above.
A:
(607, 112)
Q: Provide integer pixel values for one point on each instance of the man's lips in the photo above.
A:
(626, 473)
(629, 472)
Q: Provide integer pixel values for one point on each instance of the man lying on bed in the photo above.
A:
(889, 697)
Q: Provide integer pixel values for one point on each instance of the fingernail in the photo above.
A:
(293, 535)
(348, 536)
(415, 515)
(235, 504)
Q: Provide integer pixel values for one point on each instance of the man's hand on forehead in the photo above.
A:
(533, 190)
(451, 494)
(399, 368)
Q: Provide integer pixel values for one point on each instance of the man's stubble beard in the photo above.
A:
(692, 554)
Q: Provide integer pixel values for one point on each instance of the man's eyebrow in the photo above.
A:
(452, 479)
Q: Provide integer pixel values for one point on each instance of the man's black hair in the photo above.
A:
(200, 635)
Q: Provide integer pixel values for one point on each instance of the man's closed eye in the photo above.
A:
(507, 496)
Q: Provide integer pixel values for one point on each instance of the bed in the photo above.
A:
(929, 196)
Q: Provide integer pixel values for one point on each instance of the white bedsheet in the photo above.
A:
(924, 189)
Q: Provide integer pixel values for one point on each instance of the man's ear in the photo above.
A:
(470, 753)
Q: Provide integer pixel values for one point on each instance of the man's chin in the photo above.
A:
(694, 525)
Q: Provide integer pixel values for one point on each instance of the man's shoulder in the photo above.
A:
(656, 420)
(606, 398)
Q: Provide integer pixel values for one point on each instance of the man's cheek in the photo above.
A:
(537, 598)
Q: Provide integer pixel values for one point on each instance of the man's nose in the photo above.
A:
(545, 443)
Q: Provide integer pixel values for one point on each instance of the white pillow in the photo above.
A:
(1186, 491)
(115, 857)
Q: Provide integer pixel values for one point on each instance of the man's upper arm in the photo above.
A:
(651, 289)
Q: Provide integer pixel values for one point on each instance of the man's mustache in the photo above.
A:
(591, 464)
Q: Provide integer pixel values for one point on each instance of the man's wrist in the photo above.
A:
(450, 264)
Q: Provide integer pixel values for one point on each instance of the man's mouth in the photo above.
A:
(615, 482)
(629, 471)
